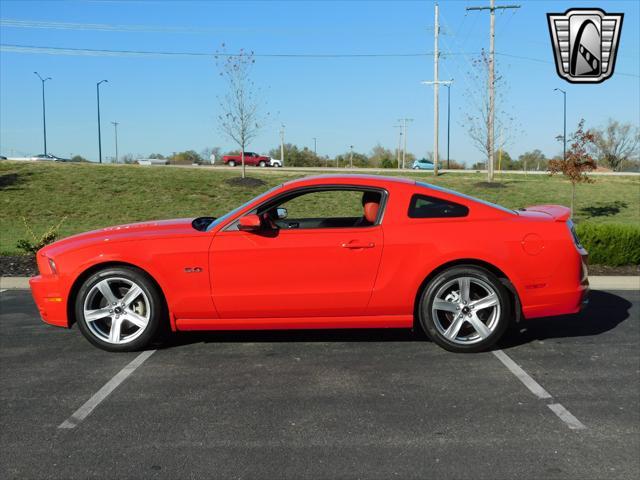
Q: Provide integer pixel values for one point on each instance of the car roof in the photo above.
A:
(346, 179)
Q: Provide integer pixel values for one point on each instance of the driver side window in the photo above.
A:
(331, 208)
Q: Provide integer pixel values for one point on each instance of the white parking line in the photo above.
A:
(566, 416)
(523, 376)
(537, 389)
(104, 392)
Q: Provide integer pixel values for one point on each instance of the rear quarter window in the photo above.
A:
(424, 206)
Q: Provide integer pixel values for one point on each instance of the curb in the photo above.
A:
(595, 283)
(614, 283)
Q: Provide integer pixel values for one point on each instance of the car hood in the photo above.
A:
(142, 231)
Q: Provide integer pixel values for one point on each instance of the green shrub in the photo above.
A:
(37, 241)
(610, 244)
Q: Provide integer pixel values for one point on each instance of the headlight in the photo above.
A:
(52, 266)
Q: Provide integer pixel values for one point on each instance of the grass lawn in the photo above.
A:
(93, 196)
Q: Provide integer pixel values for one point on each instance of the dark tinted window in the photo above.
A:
(423, 206)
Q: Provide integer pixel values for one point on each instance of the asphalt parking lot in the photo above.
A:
(339, 404)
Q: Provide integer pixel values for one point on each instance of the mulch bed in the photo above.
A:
(625, 270)
(490, 185)
(18, 266)
(245, 182)
(25, 266)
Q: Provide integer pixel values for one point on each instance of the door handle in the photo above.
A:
(355, 244)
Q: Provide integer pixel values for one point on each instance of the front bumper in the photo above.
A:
(48, 294)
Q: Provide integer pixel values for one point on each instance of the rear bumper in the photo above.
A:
(48, 294)
(567, 294)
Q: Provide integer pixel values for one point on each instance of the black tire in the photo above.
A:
(262, 163)
(231, 163)
(469, 339)
(157, 311)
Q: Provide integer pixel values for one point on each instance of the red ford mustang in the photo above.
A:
(341, 251)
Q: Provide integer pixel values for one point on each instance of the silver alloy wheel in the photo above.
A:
(116, 310)
(466, 310)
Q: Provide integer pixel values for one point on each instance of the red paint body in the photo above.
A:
(355, 277)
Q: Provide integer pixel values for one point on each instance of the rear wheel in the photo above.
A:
(231, 163)
(119, 309)
(465, 309)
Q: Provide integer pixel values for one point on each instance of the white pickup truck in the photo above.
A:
(274, 162)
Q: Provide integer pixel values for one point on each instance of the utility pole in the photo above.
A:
(315, 146)
(436, 85)
(99, 132)
(351, 156)
(282, 144)
(492, 33)
(436, 94)
(404, 135)
(115, 126)
(564, 133)
(44, 117)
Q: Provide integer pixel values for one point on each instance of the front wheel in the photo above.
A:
(262, 163)
(119, 309)
(465, 309)
(231, 163)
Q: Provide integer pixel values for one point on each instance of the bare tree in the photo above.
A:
(241, 117)
(616, 143)
(476, 113)
(578, 160)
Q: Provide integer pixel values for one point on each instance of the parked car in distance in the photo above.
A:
(48, 157)
(250, 158)
(2, 157)
(397, 254)
(422, 164)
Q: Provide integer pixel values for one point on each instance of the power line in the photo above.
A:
(105, 27)
(106, 52)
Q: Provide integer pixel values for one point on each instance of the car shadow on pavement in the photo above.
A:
(604, 312)
(278, 336)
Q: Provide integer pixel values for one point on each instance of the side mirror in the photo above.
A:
(250, 223)
(282, 213)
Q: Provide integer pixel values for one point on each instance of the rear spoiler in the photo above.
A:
(558, 212)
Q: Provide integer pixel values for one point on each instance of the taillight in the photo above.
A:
(574, 234)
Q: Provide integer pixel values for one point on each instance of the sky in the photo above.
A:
(169, 103)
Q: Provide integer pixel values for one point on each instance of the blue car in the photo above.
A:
(422, 164)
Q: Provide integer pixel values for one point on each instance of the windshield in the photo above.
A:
(468, 197)
(230, 214)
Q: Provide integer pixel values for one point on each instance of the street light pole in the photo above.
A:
(282, 145)
(564, 133)
(448, 85)
(115, 126)
(351, 156)
(44, 117)
(315, 146)
(99, 133)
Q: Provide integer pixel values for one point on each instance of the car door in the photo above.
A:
(250, 158)
(293, 272)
